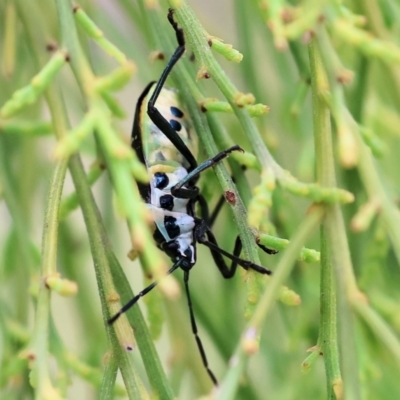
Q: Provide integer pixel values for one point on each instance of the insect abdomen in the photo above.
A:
(157, 147)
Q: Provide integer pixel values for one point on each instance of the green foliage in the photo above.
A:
(318, 182)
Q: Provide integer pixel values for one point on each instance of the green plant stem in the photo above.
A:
(109, 377)
(376, 24)
(152, 364)
(285, 265)
(376, 192)
(243, 15)
(15, 207)
(71, 202)
(378, 326)
(374, 186)
(133, 385)
(224, 141)
(98, 242)
(197, 40)
(327, 340)
(325, 175)
(184, 351)
(96, 232)
(366, 164)
(39, 344)
(39, 341)
(337, 252)
(50, 233)
(70, 41)
(248, 343)
(119, 157)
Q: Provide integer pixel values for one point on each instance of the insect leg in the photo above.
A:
(204, 235)
(210, 219)
(195, 332)
(152, 111)
(146, 290)
(204, 212)
(203, 208)
(180, 38)
(178, 189)
(205, 215)
(217, 209)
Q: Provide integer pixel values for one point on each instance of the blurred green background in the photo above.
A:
(277, 72)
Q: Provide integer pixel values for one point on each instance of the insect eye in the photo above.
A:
(161, 180)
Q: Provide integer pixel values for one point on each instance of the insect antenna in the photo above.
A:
(195, 332)
(180, 38)
(146, 290)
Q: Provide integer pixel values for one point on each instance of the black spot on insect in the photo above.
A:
(176, 112)
(187, 262)
(161, 180)
(171, 227)
(167, 202)
(157, 236)
(176, 126)
(188, 253)
(171, 248)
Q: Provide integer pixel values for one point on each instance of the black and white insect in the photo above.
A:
(163, 142)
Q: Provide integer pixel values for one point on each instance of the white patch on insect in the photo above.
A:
(186, 226)
(184, 221)
(173, 178)
(185, 242)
